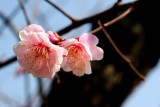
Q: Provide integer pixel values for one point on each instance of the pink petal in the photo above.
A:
(89, 39)
(31, 37)
(44, 40)
(62, 52)
(86, 50)
(48, 67)
(59, 52)
(97, 52)
(34, 28)
(27, 58)
(51, 66)
(21, 47)
(78, 73)
(66, 67)
(68, 42)
(88, 68)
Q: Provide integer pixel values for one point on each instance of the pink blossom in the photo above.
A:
(36, 54)
(80, 52)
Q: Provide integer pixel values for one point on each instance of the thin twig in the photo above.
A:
(97, 16)
(64, 13)
(120, 53)
(43, 97)
(118, 2)
(10, 17)
(27, 90)
(58, 78)
(24, 11)
(7, 21)
(113, 20)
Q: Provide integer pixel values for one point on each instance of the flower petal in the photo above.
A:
(34, 28)
(88, 68)
(68, 42)
(85, 49)
(48, 68)
(21, 47)
(89, 39)
(31, 37)
(66, 67)
(97, 52)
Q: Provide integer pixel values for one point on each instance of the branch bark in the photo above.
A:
(120, 53)
(94, 18)
(124, 14)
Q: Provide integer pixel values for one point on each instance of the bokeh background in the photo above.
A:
(112, 83)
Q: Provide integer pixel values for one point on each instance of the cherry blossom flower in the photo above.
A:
(80, 52)
(36, 54)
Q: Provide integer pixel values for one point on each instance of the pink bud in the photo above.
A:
(54, 37)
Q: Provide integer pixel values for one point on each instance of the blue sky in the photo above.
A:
(145, 95)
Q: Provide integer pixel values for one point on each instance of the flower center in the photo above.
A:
(76, 57)
(41, 51)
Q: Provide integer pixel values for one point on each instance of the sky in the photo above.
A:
(147, 93)
(12, 87)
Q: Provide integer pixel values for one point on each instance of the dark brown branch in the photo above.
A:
(114, 20)
(97, 16)
(24, 11)
(120, 53)
(8, 62)
(119, 2)
(64, 13)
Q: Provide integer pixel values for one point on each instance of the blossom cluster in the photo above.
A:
(43, 53)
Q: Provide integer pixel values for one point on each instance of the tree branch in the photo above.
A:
(24, 11)
(120, 53)
(63, 12)
(8, 61)
(7, 21)
(96, 17)
(113, 20)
